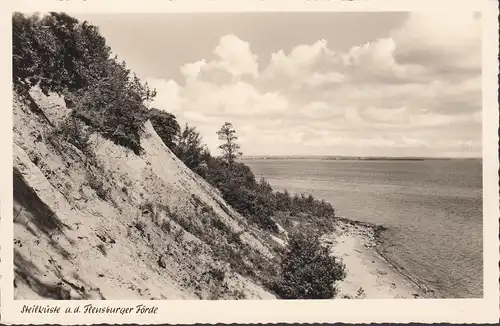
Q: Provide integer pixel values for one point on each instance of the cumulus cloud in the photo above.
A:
(420, 84)
(234, 59)
(301, 60)
(236, 56)
(192, 70)
(375, 62)
(168, 94)
(445, 42)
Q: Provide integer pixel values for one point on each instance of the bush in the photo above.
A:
(57, 52)
(303, 204)
(308, 271)
(97, 185)
(166, 126)
(258, 202)
(114, 106)
(217, 274)
(75, 132)
(190, 149)
(240, 190)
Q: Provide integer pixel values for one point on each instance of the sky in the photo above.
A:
(353, 84)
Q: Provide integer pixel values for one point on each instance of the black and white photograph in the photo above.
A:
(247, 156)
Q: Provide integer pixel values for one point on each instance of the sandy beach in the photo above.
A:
(369, 274)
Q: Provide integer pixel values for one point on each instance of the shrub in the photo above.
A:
(97, 185)
(102, 249)
(114, 107)
(147, 208)
(239, 294)
(240, 190)
(308, 271)
(75, 132)
(303, 204)
(57, 52)
(197, 249)
(190, 149)
(140, 226)
(166, 126)
(217, 274)
(221, 226)
(361, 293)
(235, 238)
(189, 226)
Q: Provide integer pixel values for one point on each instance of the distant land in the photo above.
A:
(351, 158)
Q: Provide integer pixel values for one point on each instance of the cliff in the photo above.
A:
(105, 223)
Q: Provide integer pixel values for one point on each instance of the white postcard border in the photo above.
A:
(350, 311)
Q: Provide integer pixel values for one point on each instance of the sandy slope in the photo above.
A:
(366, 268)
(93, 228)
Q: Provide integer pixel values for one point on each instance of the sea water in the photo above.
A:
(432, 209)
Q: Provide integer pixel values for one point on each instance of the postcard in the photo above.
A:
(250, 162)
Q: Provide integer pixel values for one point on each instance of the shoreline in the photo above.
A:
(426, 291)
(369, 274)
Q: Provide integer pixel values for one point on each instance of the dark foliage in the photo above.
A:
(308, 271)
(62, 55)
(57, 52)
(75, 132)
(217, 274)
(240, 190)
(114, 107)
(190, 149)
(166, 126)
(303, 204)
(230, 149)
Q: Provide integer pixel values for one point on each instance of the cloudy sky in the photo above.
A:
(363, 84)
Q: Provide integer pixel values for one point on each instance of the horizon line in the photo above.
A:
(358, 156)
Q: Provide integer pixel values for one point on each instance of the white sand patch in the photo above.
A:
(366, 269)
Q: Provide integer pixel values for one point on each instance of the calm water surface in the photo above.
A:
(432, 209)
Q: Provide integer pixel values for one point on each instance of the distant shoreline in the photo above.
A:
(355, 158)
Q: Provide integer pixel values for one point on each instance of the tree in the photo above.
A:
(115, 106)
(166, 126)
(61, 55)
(190, 148)
(230, 149)
(34, 52)
(57, 52)
(308, 271)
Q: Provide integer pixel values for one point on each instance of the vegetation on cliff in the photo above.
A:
(61, 55)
